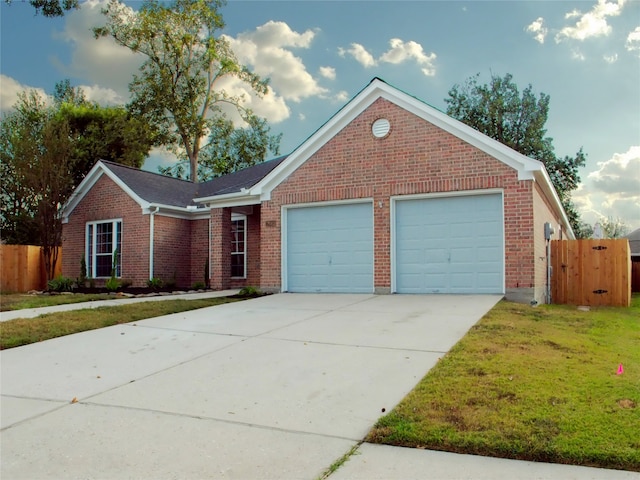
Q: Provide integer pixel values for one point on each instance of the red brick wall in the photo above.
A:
(415, 157)
(220, 248)
(172, 250)
(106, 201)
(199, 250)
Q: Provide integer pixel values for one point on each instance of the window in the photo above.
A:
(104, 239)
(239, 246)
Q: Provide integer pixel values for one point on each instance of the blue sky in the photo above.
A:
(318, 55)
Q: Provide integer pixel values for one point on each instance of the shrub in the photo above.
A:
(60, 284)
(83, 271)
(154, 282)
(112, 284)
(250, 292)
(198, 286)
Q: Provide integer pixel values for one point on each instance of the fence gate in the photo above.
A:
(591, 272)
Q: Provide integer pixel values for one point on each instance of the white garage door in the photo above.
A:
(330, 249)
(449, 245)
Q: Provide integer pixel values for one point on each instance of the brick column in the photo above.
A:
(220, 268)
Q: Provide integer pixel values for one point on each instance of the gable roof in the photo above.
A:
(151, 190)
(527, 168)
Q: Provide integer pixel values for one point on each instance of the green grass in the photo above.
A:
(23, 331)
(20, 301)
(533, 384)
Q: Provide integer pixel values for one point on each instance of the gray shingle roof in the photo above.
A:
(161, 189)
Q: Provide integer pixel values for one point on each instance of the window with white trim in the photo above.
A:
(104, 248)
(238, 246)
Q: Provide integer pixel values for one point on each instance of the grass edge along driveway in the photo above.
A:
(537, 384)
(23, 331)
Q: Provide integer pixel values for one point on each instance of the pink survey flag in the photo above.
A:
(620, 370)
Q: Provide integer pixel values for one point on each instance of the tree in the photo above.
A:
(178, 87)
(517, 120)
(37, 151)
(52, 8)
(613, 227)
(46, 151)
(230, 149)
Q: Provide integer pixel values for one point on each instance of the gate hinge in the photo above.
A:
(600, 291)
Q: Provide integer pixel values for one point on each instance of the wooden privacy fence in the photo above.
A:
(22, 268)
(591, 272)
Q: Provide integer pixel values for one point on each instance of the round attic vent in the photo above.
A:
(380, 127)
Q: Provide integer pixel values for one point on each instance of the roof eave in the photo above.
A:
(89, 181)
(236, 199)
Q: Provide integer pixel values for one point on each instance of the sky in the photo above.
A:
(320, 54)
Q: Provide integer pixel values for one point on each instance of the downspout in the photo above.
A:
(208, 280)
(151, 241)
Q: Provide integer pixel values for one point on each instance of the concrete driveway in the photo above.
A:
(276, 387)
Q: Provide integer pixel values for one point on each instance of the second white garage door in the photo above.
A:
(449, 245)
(330, 248)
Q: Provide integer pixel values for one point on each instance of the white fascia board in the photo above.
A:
(237, 199)
(89, 181)
(176, 212)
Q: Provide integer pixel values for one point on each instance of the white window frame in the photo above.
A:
(90, 247)
(236, 217)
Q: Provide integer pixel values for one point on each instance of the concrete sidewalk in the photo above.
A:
(276, 387)
(35, 312)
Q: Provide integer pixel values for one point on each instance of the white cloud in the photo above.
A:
(267, 50)
(342, 96)
(102, 96)
(613, 190)
(106, 65)
(538, 30)
(9, 90)
(593, 23)
(576, 54)
(399, 52)
(611, 58)
(328, 72)
(633, 41)
(360, 54)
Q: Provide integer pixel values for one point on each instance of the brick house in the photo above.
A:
(389, 196)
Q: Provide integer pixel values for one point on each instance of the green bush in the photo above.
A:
(112, 284)
(154, 282)
(198, 286)
(60, 284)
(250, 292)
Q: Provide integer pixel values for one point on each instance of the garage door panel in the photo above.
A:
(330, 248)
(449, 245)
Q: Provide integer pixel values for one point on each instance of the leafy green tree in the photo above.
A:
(51, 8)
(36, 149)
(178, 87)
(46, 151)
(517, 120)
(101, 133)
(230, 149)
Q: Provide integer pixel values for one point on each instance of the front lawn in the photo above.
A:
(20, 301)
(535, 384)
(23, 331)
